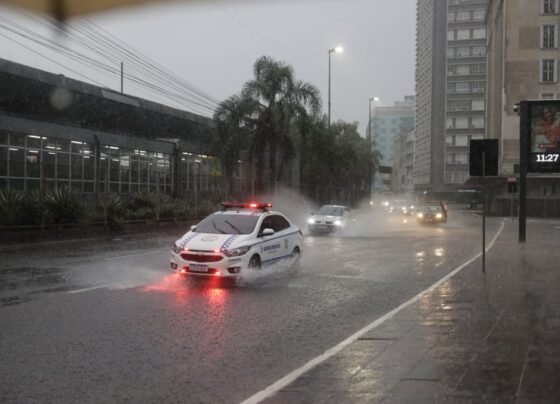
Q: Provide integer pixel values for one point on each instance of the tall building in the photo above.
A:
(450, 89)
(523, 65)
(403, 163)
(386, 123)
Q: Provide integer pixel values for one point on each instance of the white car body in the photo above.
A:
(210, 254)
(321, 223)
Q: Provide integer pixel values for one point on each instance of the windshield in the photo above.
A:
(431, 209)
(328, 210)
(227, 224)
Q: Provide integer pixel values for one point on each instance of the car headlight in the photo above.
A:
(311, 220)
(236, 252)
(176, 249)
(439, 216)
(337, 223)
(420, 215)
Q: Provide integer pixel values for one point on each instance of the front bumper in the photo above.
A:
(323, 228)
(228, 267)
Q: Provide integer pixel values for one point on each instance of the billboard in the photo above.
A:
(544, 144)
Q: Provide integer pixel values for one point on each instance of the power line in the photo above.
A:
(144, 71)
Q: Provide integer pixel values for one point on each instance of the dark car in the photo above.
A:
(431, 214)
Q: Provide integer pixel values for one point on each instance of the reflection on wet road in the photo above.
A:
(109, 321)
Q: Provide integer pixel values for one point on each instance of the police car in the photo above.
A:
(238, 237)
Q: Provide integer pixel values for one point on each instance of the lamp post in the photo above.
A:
(338, 49)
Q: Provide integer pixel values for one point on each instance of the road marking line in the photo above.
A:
(88, 289)
(291, 377)
(340, 276)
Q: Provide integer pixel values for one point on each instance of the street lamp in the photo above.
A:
(337, 49)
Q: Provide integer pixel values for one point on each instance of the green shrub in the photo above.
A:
(64, 206)
(114, 207)
(11, 210)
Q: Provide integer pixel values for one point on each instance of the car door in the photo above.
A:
(270, 246)
(287, 235)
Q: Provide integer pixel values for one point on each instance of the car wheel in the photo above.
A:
(296, 255)
(255, 262)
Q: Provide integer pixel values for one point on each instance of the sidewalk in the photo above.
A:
(477, 338)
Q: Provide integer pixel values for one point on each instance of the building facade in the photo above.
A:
(524, 64)
(403, 163)
(56, 131)
(387, 122)
(451, 89)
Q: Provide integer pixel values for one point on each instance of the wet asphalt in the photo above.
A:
(106, 321)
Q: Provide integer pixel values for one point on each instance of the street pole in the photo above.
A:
(483, 212)
(330, 51)
(338, 49)
(524, 133)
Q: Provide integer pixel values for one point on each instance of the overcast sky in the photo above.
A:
(214, 45)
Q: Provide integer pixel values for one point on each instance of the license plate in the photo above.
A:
(198, 268)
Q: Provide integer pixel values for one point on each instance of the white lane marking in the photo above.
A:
(88, 289)
(291, 377)
(340, 276)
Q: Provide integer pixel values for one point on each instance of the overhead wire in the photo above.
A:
(143, 71)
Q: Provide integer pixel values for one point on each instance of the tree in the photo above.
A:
(272, 110)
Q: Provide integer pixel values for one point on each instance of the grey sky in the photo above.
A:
(214, 45)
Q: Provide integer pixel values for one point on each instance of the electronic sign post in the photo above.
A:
(483, 161)
(539, 147)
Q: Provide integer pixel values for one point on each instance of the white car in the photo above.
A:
(330, 218)
(238, 237)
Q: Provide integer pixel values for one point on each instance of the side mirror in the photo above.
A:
(193, 227)
(267, 232)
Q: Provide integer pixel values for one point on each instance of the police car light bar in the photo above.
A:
(252, 205)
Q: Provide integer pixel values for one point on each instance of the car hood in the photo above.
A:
(211, 242)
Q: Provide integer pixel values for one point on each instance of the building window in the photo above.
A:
(458, 70)
(548, 6)
(479, 51)
(478, 105)
(478, 15)
(548, 67)
(463, 16)
(548, 36)
(463, 52)
(547, 96)
(479, 33)
(478, 87)
(463, 34)
(463, 87)
(478, 68)
(461, 123)
(477, 123)
(450, 17)
(450, 35)
(461, 140)
(459, 105)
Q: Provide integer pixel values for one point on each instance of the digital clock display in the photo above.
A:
(547, 157)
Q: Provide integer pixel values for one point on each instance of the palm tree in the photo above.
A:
(279, 107)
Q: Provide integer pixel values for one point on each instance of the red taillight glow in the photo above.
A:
(253, 205)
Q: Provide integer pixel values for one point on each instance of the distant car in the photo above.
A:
(237, 238)
(398, 207)
(431, 214)
(329, 219)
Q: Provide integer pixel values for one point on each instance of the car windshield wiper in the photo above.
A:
(216, 228)
(233, 227)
